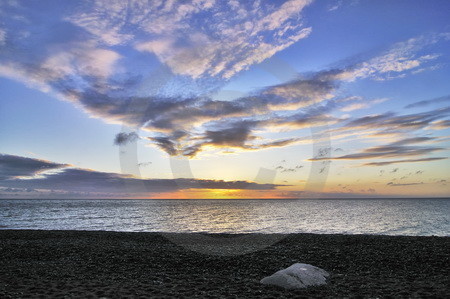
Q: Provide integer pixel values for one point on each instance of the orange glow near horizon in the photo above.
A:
(218, 194)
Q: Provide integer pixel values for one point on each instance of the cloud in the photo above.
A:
(186, 126)
(81, 59)
(279, 143)
(69, 179)
(95, 55)
(414, 140)
(74, 58)
(386, 152)
(15, 166)
(335, 5)
(401, 148)
(440, 124)
(427, 68)
(391, 184)
(124, 138)
(444, 99)
(2, 37)
(235, 136)
(73, 179)
(17, 190)
(166, 144)
(177, 118)
(306, 91)
(198, 38)
(199, 121)
(404, 161)
(357, 105)
(403, 58)
(369, 120)
(392, 123)
(143, 164)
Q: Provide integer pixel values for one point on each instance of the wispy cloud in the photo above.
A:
(393, 123)
(2, 37)
(358, 103)
(440, 124)
(404, 148)
(197, 38)
(439, 100)
(392, 184)
(385, 152)
(404, 161)
(415, 140)
(334, 6)
(398, 61)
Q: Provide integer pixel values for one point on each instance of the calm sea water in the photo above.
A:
(419, 217)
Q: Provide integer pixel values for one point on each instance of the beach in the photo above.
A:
(99, 264)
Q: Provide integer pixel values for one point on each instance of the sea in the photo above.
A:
(412, 217)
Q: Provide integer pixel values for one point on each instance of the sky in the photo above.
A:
(224, 99)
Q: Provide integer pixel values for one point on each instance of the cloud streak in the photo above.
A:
(392, 184)
(404, 148)
(404, 161)
(439, 100)
(385, 152)
(392, 124)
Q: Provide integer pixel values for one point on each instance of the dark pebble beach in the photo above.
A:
(97, 264)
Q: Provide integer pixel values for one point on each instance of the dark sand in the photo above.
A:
(74, 264)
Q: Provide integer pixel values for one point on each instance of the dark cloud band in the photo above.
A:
(71, 179)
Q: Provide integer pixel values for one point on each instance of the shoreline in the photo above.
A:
(231, 234)
(95, 264)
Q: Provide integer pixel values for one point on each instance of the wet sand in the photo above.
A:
(79, 264)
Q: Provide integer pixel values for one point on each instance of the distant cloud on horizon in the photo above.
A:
(22, 174)
(12, 167)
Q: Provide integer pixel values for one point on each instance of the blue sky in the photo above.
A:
(300, 98)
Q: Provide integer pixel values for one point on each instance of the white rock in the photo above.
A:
(297, 276)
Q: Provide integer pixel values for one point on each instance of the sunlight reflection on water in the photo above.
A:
(352, 216)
